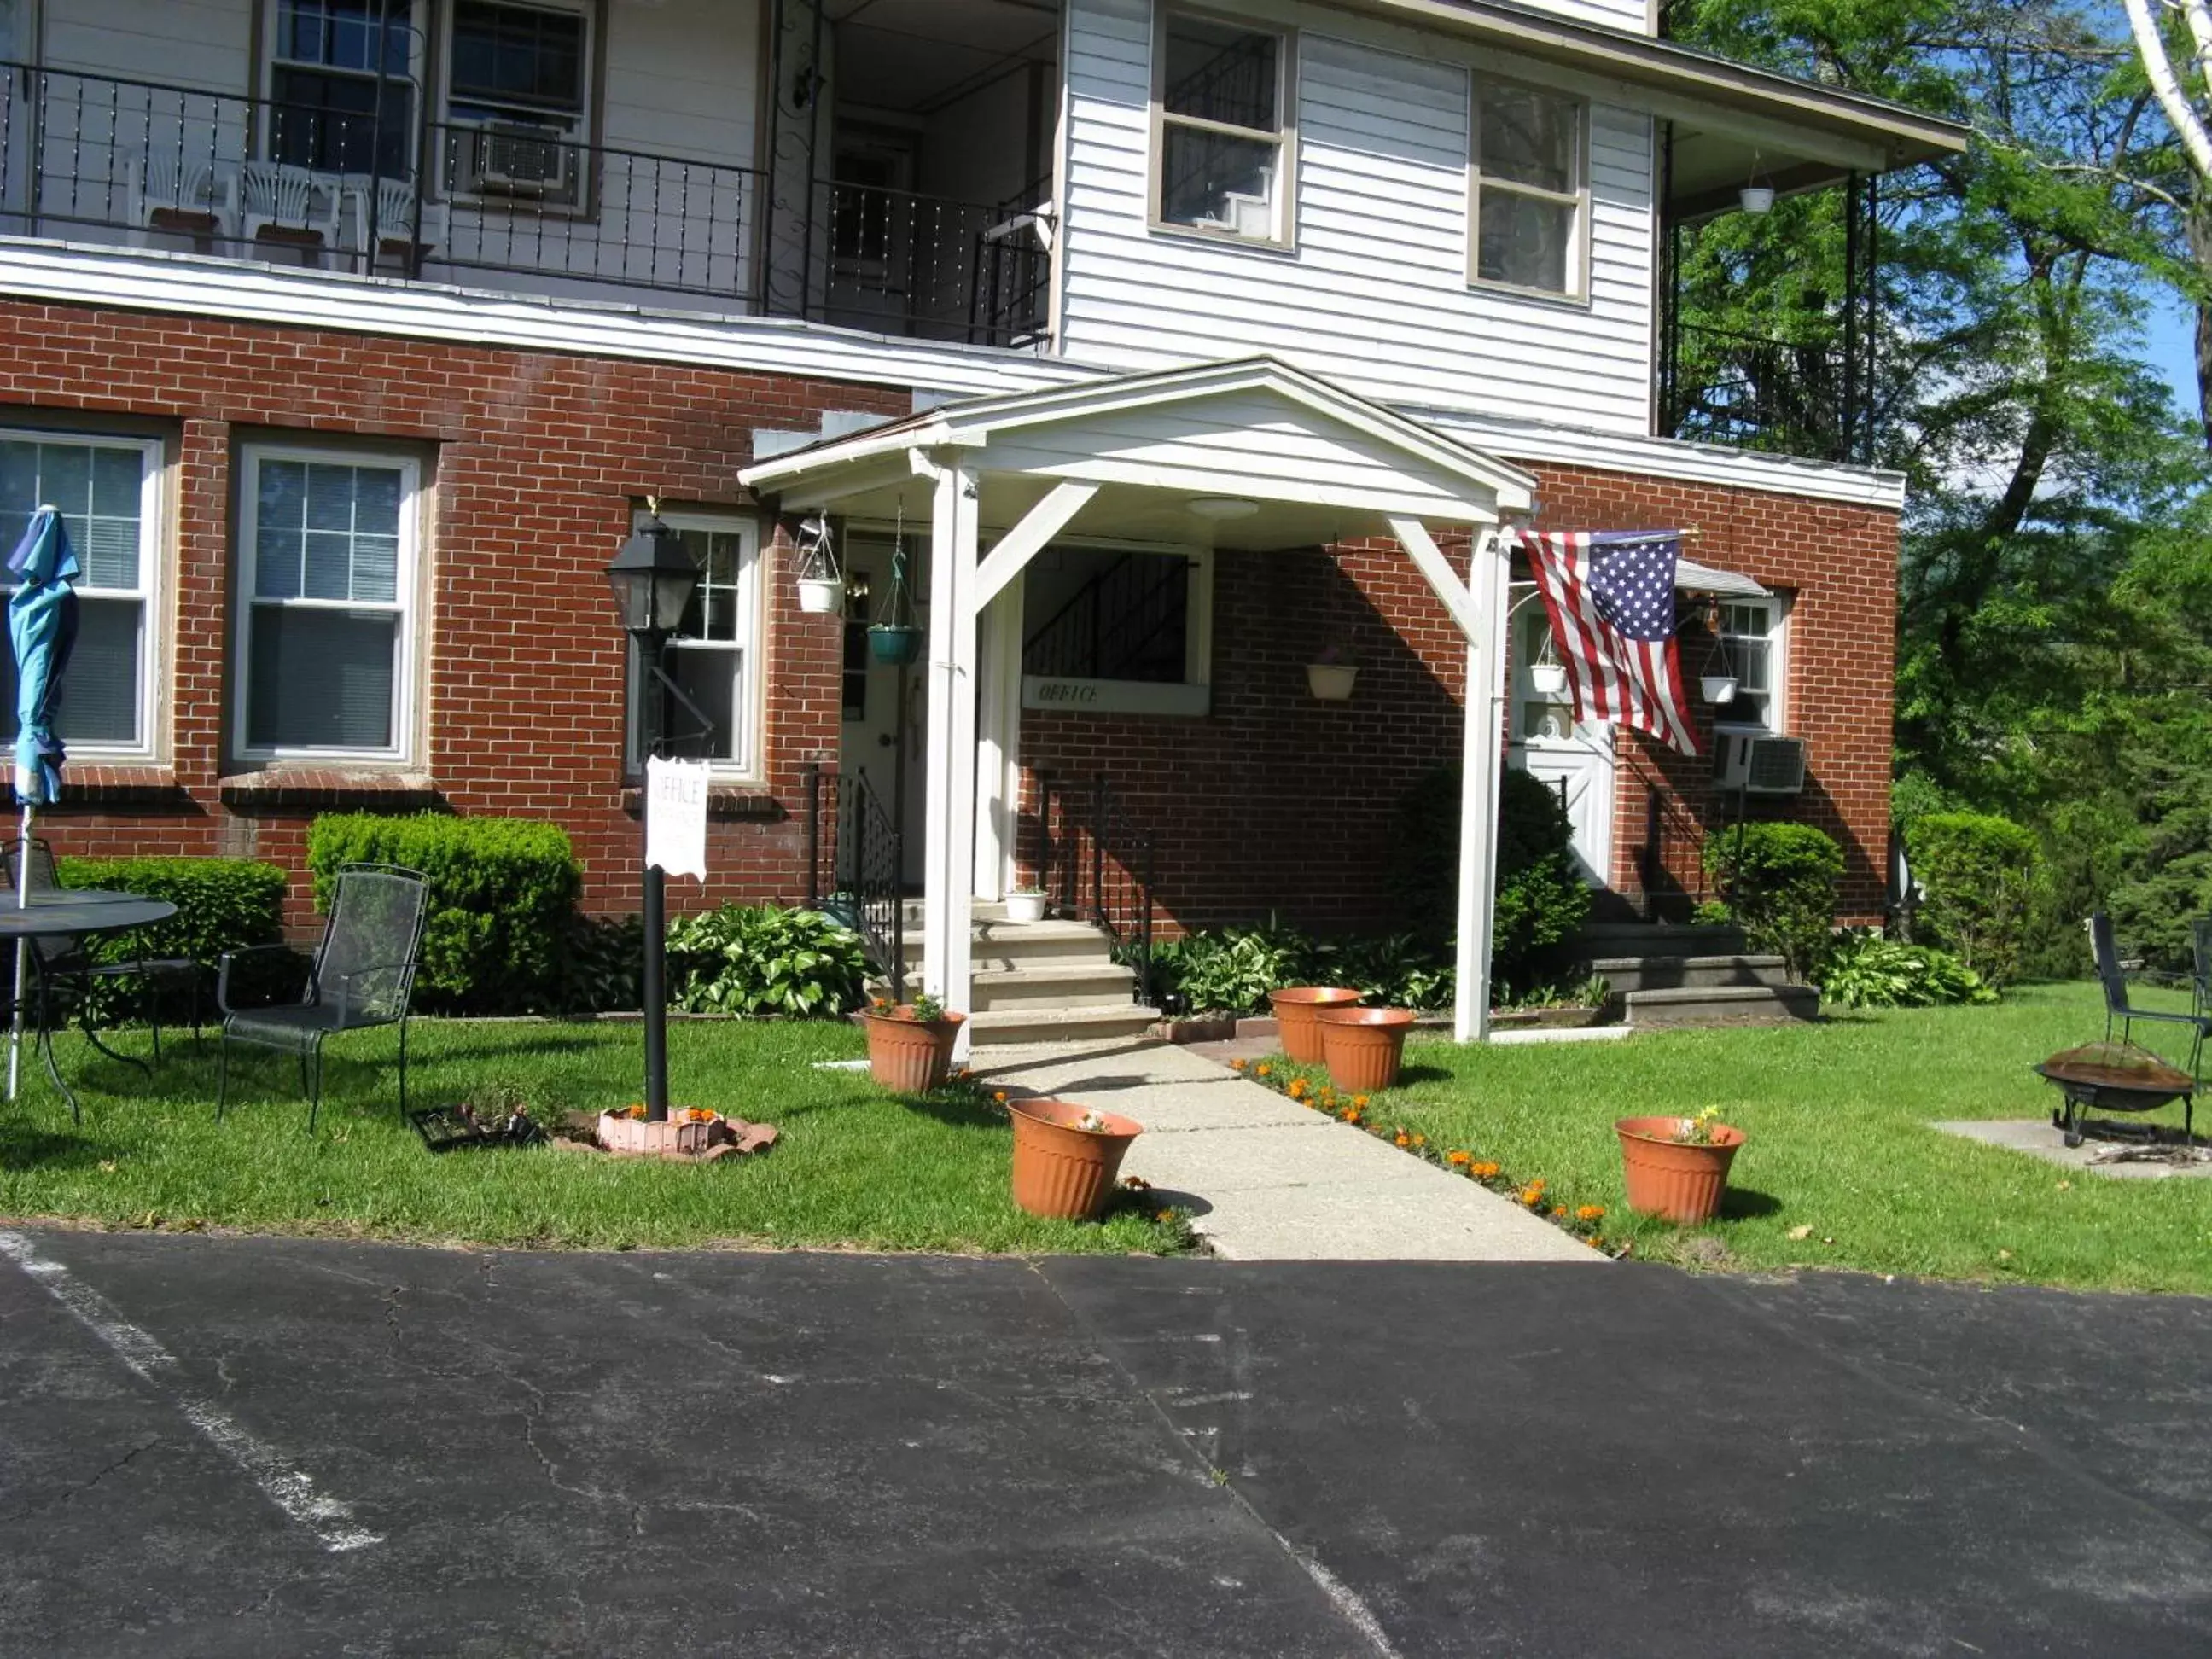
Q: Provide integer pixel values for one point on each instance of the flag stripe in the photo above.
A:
(1616, 677)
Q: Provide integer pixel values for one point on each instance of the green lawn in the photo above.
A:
(855, 1167)
(1836, 1115)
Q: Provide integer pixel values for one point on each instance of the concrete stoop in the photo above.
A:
(1664, 976)
(1042, 982)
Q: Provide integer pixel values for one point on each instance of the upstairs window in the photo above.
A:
(1752, 645)
(328, 108)
(1530, 195)
(1225, 144)
(517, 98)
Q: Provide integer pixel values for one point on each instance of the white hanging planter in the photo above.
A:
(1756, 199)
(1719, 689)
(821, 596)
(1331, 681)
(1549, 679)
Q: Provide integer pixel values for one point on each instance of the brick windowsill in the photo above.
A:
(112, 786)
(290, 788)
(723, 801)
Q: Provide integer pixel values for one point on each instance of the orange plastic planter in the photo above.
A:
(1363, 1046)
(1297, 1010)
(909, 1056)
(1062, 1172)
(1676, 1180)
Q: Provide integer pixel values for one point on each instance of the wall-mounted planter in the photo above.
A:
(894, 644)
(1718, 689)
(1549, 679)
(1331, 681)
(821, 596)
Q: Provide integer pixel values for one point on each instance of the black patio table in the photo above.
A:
(76, 913)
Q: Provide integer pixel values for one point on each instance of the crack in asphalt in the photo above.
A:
(80, 1488)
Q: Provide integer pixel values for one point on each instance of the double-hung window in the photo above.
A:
(1530, 197)
(108, 490)
(1752, 643)
(713, 657)
(1225, 144)
(325, 624)
(329, 108)
(517, 98)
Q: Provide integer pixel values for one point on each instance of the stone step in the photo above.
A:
(1626, 974)
(1013, 944)
(1721, 1004)
(1650, 939)
(1043, 985)
(1001, 1027)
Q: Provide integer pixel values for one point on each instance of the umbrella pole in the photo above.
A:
(23, 948)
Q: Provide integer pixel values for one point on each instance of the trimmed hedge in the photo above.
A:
(1780, 881)
(1980, 874)
(502, 892)
(223, 904)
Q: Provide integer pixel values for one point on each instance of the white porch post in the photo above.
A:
(1479, 770)
(949, 845)
(999, 739)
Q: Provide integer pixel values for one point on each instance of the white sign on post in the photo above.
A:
(675, 816)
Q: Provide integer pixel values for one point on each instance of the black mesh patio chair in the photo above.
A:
(363, 976)
(67, 961)
(2119, 1007)
(2201, 936)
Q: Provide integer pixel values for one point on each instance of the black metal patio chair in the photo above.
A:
(67, 960)
(363, 976)
(2201, 937)
(2120, 1008)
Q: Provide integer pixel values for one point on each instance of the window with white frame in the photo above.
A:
(518, 98)
(326, 576)
(108, 491)
(329, 106)
(714, 656)
(1753, 639)
(1225, 146)
(1530, 194)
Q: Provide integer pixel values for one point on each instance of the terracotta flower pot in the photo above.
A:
(911, 1056)
(1676, 1180)
(1363, 1046)
(1297, 1010)
(1060, 1171)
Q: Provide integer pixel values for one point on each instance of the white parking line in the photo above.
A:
(289, 1488)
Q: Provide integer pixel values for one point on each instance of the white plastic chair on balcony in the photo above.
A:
(405, 224)
(296, 203)
(166, 191)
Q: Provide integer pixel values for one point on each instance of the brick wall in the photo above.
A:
(1280, 803)
(534, 462)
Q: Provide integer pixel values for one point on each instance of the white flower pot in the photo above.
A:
(820, 596)
(1719, 689)
(1025, 907)
(1331, 681)
(1756, 199)
(1549, 679)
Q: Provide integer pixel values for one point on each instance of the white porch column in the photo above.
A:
(949, 763)
(1479, 779)
(998, 740)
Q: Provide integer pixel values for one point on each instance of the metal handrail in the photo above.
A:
(1097, 866)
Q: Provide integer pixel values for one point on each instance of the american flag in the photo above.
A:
(1611, 597)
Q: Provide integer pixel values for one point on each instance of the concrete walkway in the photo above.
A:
(1267, 1180)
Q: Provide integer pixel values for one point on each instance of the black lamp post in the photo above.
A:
(653, 578)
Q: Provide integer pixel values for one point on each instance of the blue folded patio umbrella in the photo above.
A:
(42, 632)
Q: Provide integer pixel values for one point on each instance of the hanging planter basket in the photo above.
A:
(1549, 679)
(894, 644)
(821, 584)
(1719, 689)
(1331, 681)
(895, 636)
(821, 596)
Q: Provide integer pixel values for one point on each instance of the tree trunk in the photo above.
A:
(2198, 221)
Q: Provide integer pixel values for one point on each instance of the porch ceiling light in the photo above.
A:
(653, 578)
(1221, 508)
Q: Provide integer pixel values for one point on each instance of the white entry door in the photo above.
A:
(1574, 757)
(869, 726)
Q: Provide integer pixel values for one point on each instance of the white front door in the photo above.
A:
(1574, 757)
(869, 731)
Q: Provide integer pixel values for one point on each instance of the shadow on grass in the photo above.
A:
(1409, 1075)
(1748, 1203)
(961, 1111)
(25, 1147)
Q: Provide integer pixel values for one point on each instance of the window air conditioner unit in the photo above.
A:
(1759, 766)
(504, 158)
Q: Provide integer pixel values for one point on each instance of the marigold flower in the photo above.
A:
(1298, 1089)
(1590, 1212)
(1559, 1213)
(1532, 1196)
(1360, 1101)
(1164, 1216)
(1420, 1140)
(1458, 1160)
(1404, 1140)
(1238, 1065)
(1263, 1069)
(999, 1096)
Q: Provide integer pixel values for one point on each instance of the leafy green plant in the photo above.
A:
(223, 904)
(759, 959)
(502, 892)
(1779, 882)
(1865, 971)
(1397, 970)
(602, 963)
(1231, 970)
(1979, 873)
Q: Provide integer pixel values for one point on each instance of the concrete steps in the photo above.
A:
(1670, 973)
(1721, 1004)
(1672, 976)
(1042, 981)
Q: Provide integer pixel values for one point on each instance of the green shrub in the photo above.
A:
(602, 964)
(502, 892)
(1231, 970)
(1542, 902)
(758, 959)
(1865, 971)
(1979, 873)
(223, 904)
(1393, 970)
(1779, 883)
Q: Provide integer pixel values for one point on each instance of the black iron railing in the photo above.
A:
(854, 859)
(1097, 866)
(902, 262)
(1752, 393)
(1674, 839)
(1126, 623)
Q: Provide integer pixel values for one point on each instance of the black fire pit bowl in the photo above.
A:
(2116, 1077)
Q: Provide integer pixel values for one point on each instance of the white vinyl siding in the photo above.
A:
(1376, 296)
(108, 491)
(323, 640)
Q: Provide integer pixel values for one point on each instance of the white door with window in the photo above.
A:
(1574, 757)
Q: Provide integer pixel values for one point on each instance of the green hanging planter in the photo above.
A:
(895, 644)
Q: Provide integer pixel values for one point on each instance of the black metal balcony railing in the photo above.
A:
(1752, 393)
(109, 158)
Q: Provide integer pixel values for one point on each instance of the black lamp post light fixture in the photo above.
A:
(654, 578)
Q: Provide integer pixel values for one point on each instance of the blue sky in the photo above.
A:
(2171, 351)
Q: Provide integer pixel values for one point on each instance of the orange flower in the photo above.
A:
(1298, 1089)
(699, 1115)
(1420, 1140)
(1164, 1216)
(636, 1114)
(1559, 1213)
(1263, 1069)
(1360, 1101)
(1488, 1171)
(1590, 1212)
(1531, 1197)
(1595, 1243)
(1458, 1160)
(1237, 1065)
(999, 1096)
(1404, 1140)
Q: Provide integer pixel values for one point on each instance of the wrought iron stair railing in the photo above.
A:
(1105, 628)
(854, 859)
